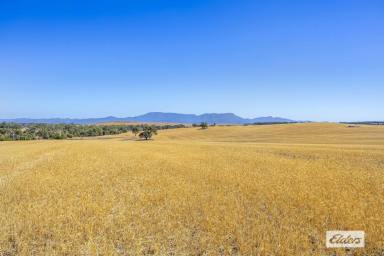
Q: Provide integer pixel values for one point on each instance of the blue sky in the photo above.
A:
(306, 60)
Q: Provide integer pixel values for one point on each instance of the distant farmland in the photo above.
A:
(236, 190)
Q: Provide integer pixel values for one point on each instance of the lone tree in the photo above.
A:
(148, 132)
(204, 125)
(135, 130)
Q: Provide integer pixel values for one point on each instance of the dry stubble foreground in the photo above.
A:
(268, 190)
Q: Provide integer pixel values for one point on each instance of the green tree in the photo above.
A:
(204, 125)
(135, 130)
(148, 132)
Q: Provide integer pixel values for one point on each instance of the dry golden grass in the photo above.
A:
(309, 133)
(257, 190)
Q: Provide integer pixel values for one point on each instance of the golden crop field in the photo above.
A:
(236, 190)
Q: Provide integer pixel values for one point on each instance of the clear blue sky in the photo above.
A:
(307, 60)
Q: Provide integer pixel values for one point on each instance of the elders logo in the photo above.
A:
(345, 239)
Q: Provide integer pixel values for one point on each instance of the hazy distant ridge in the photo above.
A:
(218, 118)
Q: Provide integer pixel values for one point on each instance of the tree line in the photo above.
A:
(365, 122)
(203, 125)
(13, 131)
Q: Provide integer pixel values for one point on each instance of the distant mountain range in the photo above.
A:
(222, 118)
